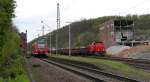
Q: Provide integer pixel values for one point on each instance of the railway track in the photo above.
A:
(90, 73)
(138, 63)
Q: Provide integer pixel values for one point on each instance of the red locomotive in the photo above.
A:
(96, 48)
(40, 48)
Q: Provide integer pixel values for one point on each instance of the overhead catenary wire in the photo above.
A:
(69, 5)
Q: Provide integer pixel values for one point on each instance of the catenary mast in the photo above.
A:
(58, 26)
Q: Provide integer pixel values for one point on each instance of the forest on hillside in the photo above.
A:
(85, 31)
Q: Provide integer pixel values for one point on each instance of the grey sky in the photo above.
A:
(30, 13)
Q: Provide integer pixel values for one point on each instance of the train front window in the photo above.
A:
(41, 43)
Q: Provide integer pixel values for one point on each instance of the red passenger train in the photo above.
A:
(40, 48)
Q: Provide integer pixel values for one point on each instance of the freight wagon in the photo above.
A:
(96, 48)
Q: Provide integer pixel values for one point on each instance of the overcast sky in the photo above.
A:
(30, 13)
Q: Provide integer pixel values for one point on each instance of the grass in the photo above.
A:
(19, 78)
(14, 72)
(106, 64)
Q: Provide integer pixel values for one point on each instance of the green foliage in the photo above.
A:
(19, 78)
(10, 54)
(6, 13)
(7, 8)
(14, 71)
(11, 60)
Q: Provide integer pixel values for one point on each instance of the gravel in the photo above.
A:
(141, 55)
(43, 72)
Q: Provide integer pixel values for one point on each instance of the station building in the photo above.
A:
(115, 32)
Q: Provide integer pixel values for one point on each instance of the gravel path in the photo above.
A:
(42, 72)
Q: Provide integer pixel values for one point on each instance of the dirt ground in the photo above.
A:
(42, 72)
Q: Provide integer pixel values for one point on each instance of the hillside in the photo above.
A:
(85, 31)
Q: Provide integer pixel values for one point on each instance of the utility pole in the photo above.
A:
(69, 41)
(38, 35)
(42, 28)
(50, 42)
(147, 34)
(26, 45)
(69, 38)
(50, 39)
(58, 26)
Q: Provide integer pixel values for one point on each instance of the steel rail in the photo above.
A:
(100, 72)
(90, 77)
(138, 63)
